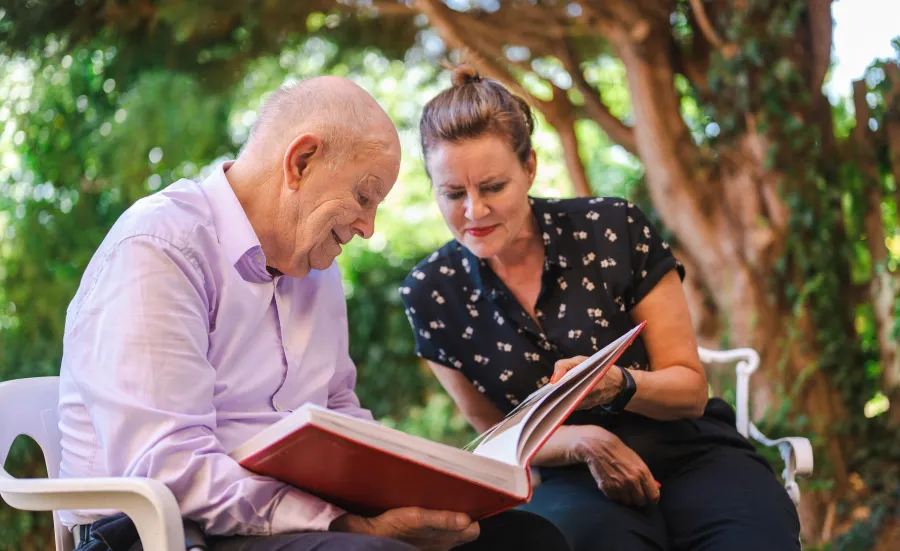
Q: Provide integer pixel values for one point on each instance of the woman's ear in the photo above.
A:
(297, 158)
(531, 167)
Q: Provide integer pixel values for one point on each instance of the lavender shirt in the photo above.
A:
(179, 346)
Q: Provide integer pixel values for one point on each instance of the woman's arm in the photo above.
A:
(475, 406)
(675, 387)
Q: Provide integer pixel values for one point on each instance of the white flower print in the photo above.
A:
(593, 215)
(594, 343)
(547, 218)
(457, 364)
(505, 375)
(543, 381)
(580, 235)
(665, 245)
(562, 311)
(483, 360)
(546, 345)
(562, 283)
(538, 314)
(574, 333)
(646, 232)
(512, 399)
(467, 334)
(596, 200)
(437, 324)
(610, 235)
(476, 294)
(608, 262)
(465, 264)
(546, 237)
(437, 297)
(562, 261)
(642, 247)
(447, 271)
(604, 323)
(504, 346)
(498, 318)
(594, 313)
(478, 386)
(587, 284)
(433, 256)
(404, 290)
(643, 274)
(418, 275)
(472, 310)
(630, 220)
(425, 334)
(558, 231)
(532, 356)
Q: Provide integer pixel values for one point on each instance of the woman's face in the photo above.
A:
(482, 191)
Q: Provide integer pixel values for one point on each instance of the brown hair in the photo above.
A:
(474, 107)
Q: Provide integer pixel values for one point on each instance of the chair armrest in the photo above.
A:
(797, 454)
(747, 363)
(149, 503)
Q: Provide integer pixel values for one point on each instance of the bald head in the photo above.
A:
(345, 117)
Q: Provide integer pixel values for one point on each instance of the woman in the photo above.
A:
(530, 286)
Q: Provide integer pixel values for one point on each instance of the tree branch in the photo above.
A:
(820, 33)
(593, 102)
(705, 26)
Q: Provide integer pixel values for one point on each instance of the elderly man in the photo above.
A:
(213, 309)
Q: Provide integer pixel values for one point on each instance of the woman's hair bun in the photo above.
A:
(464, 74)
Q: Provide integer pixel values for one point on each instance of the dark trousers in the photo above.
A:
(508, 531)
(717, 493)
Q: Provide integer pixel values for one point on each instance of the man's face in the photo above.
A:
(333, 204)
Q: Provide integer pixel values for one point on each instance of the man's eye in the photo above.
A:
(363, 200)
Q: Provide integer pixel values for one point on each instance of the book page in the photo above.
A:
(514, 439)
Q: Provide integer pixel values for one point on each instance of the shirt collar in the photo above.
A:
(236, 236)
(480, 272)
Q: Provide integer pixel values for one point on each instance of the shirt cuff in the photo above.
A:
(300, 512)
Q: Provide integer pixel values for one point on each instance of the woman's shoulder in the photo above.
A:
(438, 268)
(587, 214)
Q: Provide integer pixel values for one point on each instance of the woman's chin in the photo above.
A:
(480, 247)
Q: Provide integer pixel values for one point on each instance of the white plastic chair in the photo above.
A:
(29, 407)
(796, 451)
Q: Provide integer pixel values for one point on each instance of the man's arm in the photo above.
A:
(137, 348)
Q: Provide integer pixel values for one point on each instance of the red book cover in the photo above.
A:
(369, 481)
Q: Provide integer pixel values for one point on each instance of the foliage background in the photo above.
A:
(87, 132)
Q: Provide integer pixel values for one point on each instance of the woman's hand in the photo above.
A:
(620, 473)
(606, 389)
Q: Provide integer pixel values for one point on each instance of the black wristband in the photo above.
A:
(624, 396)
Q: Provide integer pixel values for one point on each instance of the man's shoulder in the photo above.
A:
(171, 215)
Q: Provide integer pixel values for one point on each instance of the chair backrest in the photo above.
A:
(29, 407)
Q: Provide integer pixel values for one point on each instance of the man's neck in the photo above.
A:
(253, 188)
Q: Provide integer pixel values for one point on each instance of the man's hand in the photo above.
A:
(620, 473)
(606, 389)
(428, 530)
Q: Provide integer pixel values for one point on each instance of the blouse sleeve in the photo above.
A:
(651, 256)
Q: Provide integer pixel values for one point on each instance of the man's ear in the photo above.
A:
(297, 158)
(531, 167)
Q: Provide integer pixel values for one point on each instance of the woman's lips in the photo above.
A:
(481, 231)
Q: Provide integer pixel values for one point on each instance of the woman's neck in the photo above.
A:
(523, 254)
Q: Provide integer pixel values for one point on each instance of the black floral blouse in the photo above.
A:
(602, 257)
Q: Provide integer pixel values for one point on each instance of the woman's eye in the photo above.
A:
(494, 188)
(363, 200)
(453, 195)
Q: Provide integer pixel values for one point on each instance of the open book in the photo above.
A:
(368, 468)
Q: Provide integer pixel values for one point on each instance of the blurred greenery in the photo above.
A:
(102, 103)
